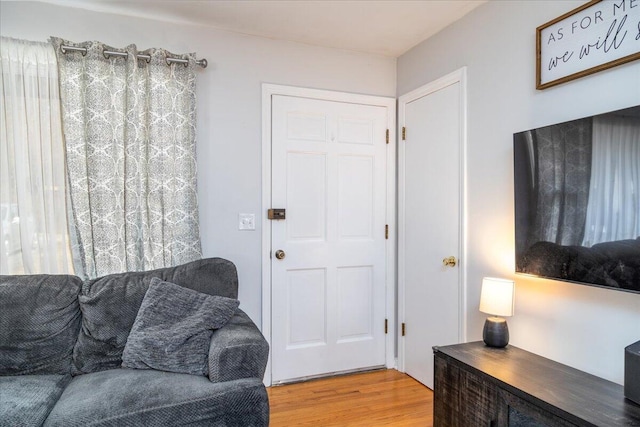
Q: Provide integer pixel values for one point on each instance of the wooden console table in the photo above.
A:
(479, 386)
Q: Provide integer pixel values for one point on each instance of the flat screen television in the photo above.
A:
(577, 200)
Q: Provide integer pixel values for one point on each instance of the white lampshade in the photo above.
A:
(497, 296)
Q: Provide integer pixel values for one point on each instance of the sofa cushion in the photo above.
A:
(173, 329)
(39, 323)
(131, 397)
(110, 304)
(26, 400)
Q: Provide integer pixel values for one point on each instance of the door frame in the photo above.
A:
(268, 91)
(458, 76)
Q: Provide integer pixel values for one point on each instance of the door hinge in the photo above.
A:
(403, 329)
(386, 326)
(386, 231)
(404, 133)
(387, 136)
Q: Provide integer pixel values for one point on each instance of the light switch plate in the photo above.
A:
(246, 221)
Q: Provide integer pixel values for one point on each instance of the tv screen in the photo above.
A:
(577, 200)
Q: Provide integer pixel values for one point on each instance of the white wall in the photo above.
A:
(581, 326)
(229, 107)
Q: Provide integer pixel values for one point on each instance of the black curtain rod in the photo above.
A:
(64, 49)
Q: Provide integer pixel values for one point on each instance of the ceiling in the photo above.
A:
(384, 27)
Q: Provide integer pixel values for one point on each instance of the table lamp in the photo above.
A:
(496, 299)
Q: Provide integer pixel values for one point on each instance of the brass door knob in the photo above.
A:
(449, 261)
(280, 254)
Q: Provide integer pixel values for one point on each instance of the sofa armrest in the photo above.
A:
(238, 350)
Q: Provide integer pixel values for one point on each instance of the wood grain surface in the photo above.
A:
(380, 398)
(556, 391)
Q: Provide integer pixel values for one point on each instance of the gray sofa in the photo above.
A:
(61, 346)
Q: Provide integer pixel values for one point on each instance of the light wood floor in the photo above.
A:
(380, 398)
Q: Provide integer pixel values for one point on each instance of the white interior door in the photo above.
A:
(329, 165)
(430, 224)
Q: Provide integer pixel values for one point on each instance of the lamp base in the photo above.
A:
(495, 332)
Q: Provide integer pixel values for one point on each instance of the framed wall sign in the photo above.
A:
(598, 35)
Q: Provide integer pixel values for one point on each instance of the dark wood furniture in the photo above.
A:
(479, 386)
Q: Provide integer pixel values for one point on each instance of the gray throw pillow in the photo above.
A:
(173, 329)
(111, 303)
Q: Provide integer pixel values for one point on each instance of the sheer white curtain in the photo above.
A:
(32, 169)
(614, 196)
(130, 140)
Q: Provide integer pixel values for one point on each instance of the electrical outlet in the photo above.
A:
(246, 221)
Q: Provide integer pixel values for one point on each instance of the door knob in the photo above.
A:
(449, 261)
(280, 254)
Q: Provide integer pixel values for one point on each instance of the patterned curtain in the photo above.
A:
(563, 159)
(129, 128)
